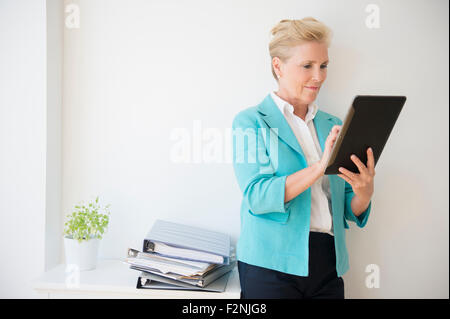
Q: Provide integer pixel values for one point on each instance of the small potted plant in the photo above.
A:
(82, 233)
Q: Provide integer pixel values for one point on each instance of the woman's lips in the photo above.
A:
(314, 88)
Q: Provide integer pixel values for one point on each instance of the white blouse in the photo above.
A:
(305, 131)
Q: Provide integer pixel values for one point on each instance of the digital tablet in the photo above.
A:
(368, 123)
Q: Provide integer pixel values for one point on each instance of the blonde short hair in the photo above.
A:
(290, 33)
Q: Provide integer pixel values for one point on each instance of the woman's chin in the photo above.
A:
(310, 97)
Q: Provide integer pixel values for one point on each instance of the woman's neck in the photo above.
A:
(300, 109)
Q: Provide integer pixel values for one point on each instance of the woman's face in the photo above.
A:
(302, 75)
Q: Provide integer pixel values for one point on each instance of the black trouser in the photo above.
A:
(322, 282)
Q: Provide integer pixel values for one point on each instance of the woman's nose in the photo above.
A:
(318, 76)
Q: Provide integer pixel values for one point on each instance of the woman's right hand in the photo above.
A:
(329, 143)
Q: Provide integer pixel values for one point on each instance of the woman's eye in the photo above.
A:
(308, 66)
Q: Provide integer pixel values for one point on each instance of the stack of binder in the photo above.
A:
(176, 256)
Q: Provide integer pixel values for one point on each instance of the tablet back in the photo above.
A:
(368, 123)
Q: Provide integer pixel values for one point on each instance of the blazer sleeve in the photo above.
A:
(360, 220)
(262, 189)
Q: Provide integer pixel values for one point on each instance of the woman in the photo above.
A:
(293, 217)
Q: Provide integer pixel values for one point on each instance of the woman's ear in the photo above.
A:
(276, 64)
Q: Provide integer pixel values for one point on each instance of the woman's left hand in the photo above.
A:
(361, 183)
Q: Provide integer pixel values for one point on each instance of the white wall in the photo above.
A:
(22, 145)
(54, 216)
(135, 70)
(30, 142)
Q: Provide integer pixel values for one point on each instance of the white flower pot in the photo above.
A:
(81, 255)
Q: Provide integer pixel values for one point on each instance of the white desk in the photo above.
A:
(114, 279)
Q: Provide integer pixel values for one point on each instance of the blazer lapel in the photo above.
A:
(274, 119)
(271, 114)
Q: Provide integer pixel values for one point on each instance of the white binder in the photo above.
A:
(188, 242)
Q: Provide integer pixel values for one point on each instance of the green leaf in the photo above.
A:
(87, 222)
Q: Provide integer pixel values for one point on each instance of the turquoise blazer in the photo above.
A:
(275, 234)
